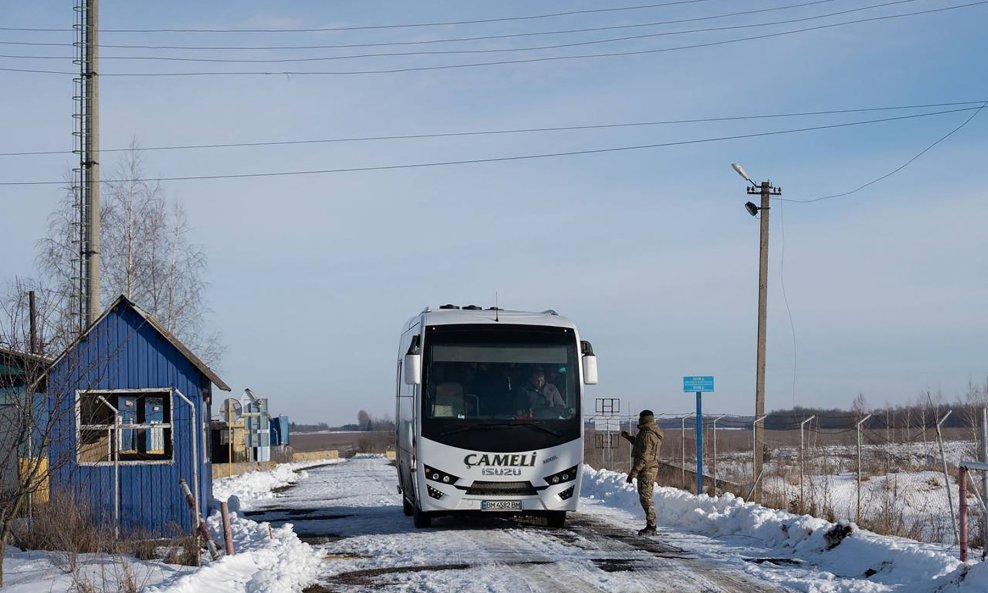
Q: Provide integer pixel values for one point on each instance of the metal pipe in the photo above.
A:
(682, 465)
(984, 475)
(860, 422)
(115, 443)
(195, 452)
(802, 464)
(756, 468)
(962, 510)
(715, 452)
(699, 445)
(946, 479)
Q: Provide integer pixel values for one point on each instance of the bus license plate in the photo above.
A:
(500, 505)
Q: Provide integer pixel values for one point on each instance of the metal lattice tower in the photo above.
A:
(86, 180)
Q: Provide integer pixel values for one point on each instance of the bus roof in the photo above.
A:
(456, 316)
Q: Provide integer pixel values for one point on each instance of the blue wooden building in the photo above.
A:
(131, 406)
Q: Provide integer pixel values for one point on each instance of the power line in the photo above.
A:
(510, 131)
(454, 39)
(498, 159)
(518, 61)
(476, 51)
(371, 27)
(897, 169)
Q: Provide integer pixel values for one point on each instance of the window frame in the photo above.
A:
(166, 394)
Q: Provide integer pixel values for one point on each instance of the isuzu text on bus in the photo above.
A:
(488, 413)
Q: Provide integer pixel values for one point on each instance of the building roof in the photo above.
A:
(188, 354)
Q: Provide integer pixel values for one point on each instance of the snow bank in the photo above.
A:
(861, 554)
(267, 560)
(252, 486)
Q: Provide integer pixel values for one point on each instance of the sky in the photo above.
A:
(649, 250)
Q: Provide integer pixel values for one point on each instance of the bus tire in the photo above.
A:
(556, 519)
(421, 518)
(406, 507)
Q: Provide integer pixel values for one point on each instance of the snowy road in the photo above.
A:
(352, 512)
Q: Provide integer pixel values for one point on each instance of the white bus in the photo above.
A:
(488, 413)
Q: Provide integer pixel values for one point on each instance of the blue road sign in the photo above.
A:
(698, 384)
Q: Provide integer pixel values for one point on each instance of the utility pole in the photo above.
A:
(87, 146)
(765, 190)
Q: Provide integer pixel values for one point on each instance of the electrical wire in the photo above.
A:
(785, 297)
(375, 27)
(897, 169)
(511, 62)
(507, 131)
(433, 41)
(468, 51)
(499, 159)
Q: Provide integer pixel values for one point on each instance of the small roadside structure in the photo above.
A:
(131, 408)
(21, 412)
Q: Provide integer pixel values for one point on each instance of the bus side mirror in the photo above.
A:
(590, 369)
(413, 369)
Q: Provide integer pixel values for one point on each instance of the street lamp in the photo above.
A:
(765, 191)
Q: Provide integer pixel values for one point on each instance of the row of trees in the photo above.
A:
(147, 255)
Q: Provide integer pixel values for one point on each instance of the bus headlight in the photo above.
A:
(567, 475)
(435, 475)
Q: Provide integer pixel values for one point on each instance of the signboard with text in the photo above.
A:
(698, 384)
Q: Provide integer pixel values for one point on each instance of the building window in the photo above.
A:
(144, 432)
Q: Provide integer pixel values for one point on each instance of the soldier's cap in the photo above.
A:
(646, 414)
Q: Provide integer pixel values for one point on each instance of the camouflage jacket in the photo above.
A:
(645, 453)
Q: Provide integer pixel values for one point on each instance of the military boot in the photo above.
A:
(648, 530)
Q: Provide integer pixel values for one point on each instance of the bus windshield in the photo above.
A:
(516, 377)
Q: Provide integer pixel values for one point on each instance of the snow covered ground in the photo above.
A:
(352, 514)
(341, 526)
(268, 559)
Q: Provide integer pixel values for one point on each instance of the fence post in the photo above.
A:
(946, 477)
(802, 465)
(962, 510)
(682, 465)
(860, 422)
(754, 461)
(715, 452)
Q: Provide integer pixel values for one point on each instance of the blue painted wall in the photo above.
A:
(123, 351)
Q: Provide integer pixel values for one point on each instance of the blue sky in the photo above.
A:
(650, 251)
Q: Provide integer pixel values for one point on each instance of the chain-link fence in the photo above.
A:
(890, 474)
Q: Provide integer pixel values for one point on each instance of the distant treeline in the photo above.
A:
(295, 427)
(365, 423)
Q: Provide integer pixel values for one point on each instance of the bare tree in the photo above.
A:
(147, 255)
(363, 419)
(27, 420)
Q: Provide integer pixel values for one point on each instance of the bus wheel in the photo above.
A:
(556, 519)
(421, 518)
(406, 507)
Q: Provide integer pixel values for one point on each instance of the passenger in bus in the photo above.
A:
(541, 395)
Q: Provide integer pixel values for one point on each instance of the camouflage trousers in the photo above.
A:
(646, 484)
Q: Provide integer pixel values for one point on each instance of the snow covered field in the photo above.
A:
(340, 528)
(903, 490)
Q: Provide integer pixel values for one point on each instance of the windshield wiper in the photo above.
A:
(543, 429)
(486, 426)
(494, 425)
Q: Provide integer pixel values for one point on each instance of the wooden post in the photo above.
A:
(200, 525)
(227, 529)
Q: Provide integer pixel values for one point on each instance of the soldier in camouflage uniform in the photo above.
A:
(645, 464)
